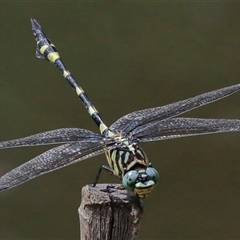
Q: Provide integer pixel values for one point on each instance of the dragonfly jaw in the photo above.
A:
(142, 190)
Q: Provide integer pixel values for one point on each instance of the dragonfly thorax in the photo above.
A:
(126, 155)
(130, 163)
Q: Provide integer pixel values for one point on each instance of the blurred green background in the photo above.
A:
(127, 56)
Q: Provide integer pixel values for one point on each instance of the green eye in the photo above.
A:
(129, 179)
(153, 174)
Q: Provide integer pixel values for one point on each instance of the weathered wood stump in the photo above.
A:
(109, 212)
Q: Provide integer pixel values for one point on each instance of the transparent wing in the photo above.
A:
(57, 136)
(184, 127)
(51, 160)
(139, 118)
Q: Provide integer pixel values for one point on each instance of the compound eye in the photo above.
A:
(129, 179)
(153, 174)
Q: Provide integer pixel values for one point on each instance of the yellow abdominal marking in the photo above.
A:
(92, 110)
(65, 73)
(52, 57)
(102, 127)
(79, 90)
(43, 49)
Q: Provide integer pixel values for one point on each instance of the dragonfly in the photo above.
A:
(121, 141)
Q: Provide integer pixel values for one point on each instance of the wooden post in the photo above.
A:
(109, 213)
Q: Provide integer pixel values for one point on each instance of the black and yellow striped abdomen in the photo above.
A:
(46, 49)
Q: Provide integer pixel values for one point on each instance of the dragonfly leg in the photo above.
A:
(108, 169)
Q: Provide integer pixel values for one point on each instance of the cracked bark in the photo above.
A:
(109, 213)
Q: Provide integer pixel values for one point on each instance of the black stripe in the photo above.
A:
(97, 118)
(119, 163)
(84, 98)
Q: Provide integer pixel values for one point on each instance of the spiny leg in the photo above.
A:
(108, 169)
(45, 49)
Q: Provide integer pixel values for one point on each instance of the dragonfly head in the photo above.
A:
(141, 181)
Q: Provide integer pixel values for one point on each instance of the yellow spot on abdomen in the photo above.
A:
(102, 127)
(52, 57)
(91, 110)
(65, 73)
(79, 90)
(43, 49)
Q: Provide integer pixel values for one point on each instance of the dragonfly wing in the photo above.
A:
(184, 127)
(51, 160)
(57, 136)
(132, 120)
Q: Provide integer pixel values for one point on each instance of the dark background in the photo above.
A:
(127, 56)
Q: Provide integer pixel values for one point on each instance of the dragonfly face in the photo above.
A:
(141, 181)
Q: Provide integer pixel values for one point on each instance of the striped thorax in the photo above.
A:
(130, 163)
